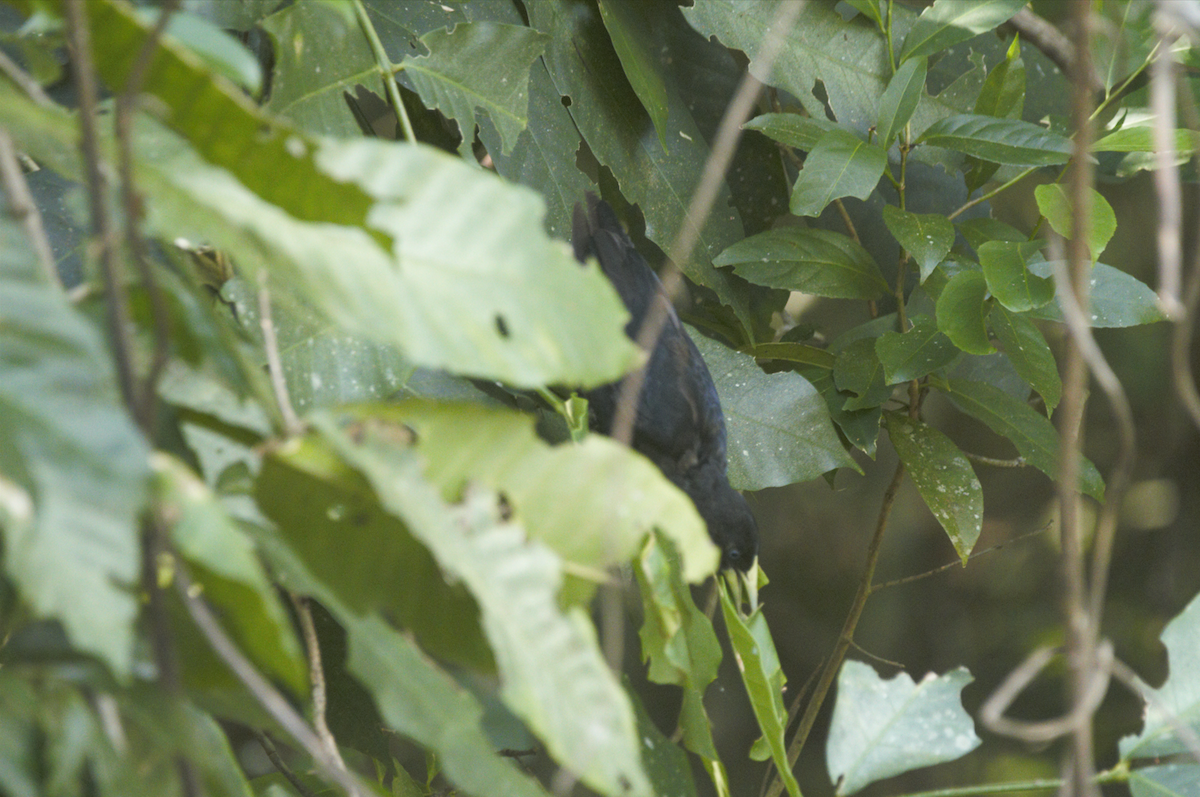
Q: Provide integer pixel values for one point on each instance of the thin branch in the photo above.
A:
(386, 72)
(957, 562)
(24, 209)
(281, 766)
(985, 197)
(1050, 41)
(316, 678)
(291, 423)
(266, 694)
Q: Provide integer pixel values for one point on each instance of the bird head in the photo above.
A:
(730, 522)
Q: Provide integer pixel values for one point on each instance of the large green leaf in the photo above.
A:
(948, 22)
(1006, 267)
(454, 79)
(801, 132)
(629, 32)
(1026, 349)
(943, 476)
(779, 427)
(882, 728)
(1117, 299)
(1055, 205)
(819, 262)
(962, 310)
(552, 673)
(1032, 434)
(73, 468)
(840, 165)
(859, 371)
(916, 353)
(926, 236)
(900, 99)
(1010, 142)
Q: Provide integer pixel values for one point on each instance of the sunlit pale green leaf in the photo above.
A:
(943, 476)
(926, 236)
(900, 99)
(1117, 299)
(1006, 268)
(882, 728)
(819, 262)
(840, 165)
(948, 22)
(1026, 349)
(1140, 138)
(915, 353)
(1053, 202)
(962, 311)
(1010, 142)
(779, 427)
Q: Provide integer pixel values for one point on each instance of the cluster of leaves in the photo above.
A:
(438, 532)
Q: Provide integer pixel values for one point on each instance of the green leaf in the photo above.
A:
(859, 371)
(1003, 93)
(1140, 138)
(754, 651)
(869, 9)
(882, 728)
(1033, 434)
(1054, 204)
(552, 673)
(451, 80)
(20, 759)
(593, 502)
(962, 312)
(308, 33)
(1166, 780)
(1117, 299)
(841, 164)
(779, 428)
(1010, 142)
(861, 427)
(819, 262)
(73, 467)
(1009, 277)
(926, 236)
(981, 230)
(225, 565)
(628, 30)
(948, 22)
(667, 765)
(791, 352)
(900, 99)
(1177, 701)
(801, 132)
(219, 51)
(943, 476)
(1026, 349)
(916, 353)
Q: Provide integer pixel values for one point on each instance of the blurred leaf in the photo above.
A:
(779, 428)
(415, 697)
(593, 502)
(916, 353)
(219, 51)
(1032, 434)
(792, 352)
(226, 566)
(882, 728)
(478, 65)
(1026, 348)
(859, 371)
(629, 32)
(19, 762)
(666, 764)
(1140, 138)
(1117, 299)
(869, 8)
(819, 262)
(73, 465)
(926, 236)
(948, 22)
(840, 165)
(1006, 267)
(943, 476)
(1010, 142)
(1053, 202)
(900, 99)
(320, 53)
(1177, 701)
(754, 651)
(679, 642)
(1166, 780)
(801, 132)
(552, 673)
(962, 312)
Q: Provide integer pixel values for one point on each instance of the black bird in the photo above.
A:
(679, 425)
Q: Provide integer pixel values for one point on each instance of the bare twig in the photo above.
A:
(281, 766)
(291, 423)
(957, 562)
(316, 678)
(266, 694)
(23, 208)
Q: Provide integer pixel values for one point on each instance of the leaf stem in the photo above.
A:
(985, 197)
(386, 70)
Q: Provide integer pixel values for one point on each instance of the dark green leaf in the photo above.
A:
(900, 99)
(948, 22)
(882, 728)
(1006, 268)
(665, 762)
(1026, 348)
(629, 32)
(74, 466)
(962, 312)
(840, 165)
(861, 427)
(1032, 434)
(791, 352)
(451, 77)
(1117, 299)
(801, 132)
(926, 236)
(943, 476)
(1054, 204)
(779, 428)
(1011, 142)
(1003, 93)
(859, 371)
(980, 231)
(916, 353)
(19, 735)
(819, 262)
